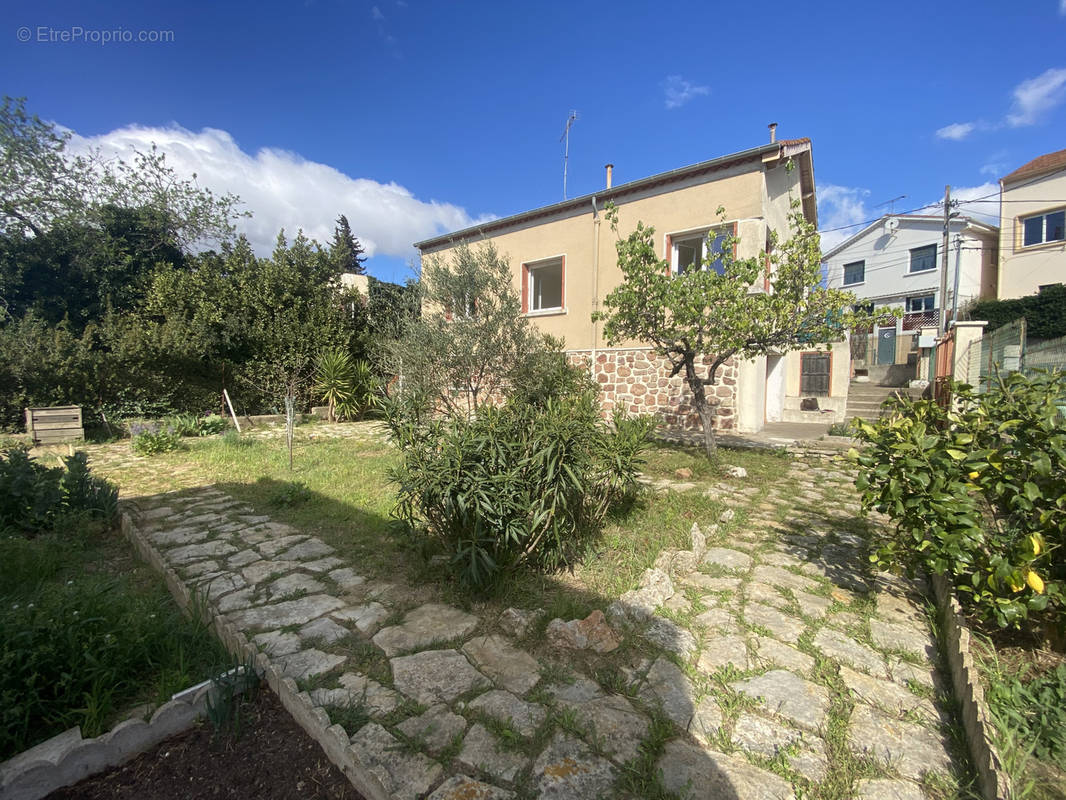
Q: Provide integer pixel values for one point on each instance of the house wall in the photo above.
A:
(1023, 270)
(888, 279)
(831, 408)
(639, 382)
(629, 375)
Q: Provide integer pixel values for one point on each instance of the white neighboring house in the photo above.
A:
(894, 263)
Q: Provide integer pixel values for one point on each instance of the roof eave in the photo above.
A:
(785, 148)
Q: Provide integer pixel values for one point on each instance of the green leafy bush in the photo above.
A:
(182, 424)
(521, 485)
(1044, 312)
(150, 443)
(35, 498)
(290, 493)
(977, 492)
(76, 653)
(210, 425)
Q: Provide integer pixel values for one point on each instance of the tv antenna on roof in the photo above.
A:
(890, 203)
(566, 150)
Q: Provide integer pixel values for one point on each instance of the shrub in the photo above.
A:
(289, 494)
(181, 424)
(210, 425)
(521, 485)
(148, 443)
(75, 653)
(333, 378)
(977, 492)
(35, 498)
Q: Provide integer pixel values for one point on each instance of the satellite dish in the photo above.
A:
(891, 225)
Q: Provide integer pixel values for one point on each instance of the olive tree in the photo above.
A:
(471, 336)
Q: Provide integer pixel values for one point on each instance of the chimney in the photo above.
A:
(773, 132)
(610, 170)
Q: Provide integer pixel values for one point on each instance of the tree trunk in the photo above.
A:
(703, 408)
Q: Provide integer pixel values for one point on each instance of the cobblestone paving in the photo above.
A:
(764, 662)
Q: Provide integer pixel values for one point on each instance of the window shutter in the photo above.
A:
(525, 289)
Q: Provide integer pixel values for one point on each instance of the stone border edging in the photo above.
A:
(67, 758)
(991, 776)
(315, 721)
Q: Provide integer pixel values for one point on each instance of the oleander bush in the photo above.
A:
(977, 492)
(525, 485)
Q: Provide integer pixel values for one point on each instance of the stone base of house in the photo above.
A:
(639, 382)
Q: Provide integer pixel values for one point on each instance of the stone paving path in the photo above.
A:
(764, 663)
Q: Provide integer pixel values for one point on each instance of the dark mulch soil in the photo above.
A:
(271, 759)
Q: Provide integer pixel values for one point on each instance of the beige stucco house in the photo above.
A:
(564, 263)
(1032, 209)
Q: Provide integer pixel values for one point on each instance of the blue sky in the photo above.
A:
(416, 117)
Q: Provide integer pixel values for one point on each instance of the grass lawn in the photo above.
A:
(88, 633)
(339, 490)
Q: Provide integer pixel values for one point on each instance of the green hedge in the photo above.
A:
(1044, 312)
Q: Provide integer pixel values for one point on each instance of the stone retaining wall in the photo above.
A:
(991, 776)
(639, 382)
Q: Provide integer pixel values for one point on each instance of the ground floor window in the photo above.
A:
(814, 374)
(543, 289)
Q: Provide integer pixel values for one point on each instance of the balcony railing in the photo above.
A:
(921, 319)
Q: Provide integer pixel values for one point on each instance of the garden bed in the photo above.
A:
(271, 758)
(88, 634)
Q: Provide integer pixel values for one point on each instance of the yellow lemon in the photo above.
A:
(1035, 540)
(974, 475)
(1035, 582)
(1015, 587)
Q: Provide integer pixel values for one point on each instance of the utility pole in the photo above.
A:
(942, 311)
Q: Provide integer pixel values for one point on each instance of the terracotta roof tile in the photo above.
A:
(1049, 162)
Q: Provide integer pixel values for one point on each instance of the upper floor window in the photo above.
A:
(543, 287)
(855, 272)
(918, 305)
(690, 250)
(923, 258)
(1049, 227)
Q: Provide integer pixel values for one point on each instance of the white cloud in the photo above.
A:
(284, 190)
(841, 213)
(1062, 7)
(1033, 97)
(376, 14)
(957, 131)
(678, 91)
(987, 210)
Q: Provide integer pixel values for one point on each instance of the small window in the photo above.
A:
(814, 374)
(690, 250)
(545, 285)
(919, 305)
(855, 272)
(923, 258)
(1044, 228)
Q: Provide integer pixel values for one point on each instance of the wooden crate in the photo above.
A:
(57, 424)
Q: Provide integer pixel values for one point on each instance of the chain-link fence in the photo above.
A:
(1049, 354)
(1007, 349)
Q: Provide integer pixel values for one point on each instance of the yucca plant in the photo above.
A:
(333, 379)
(362, 392)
